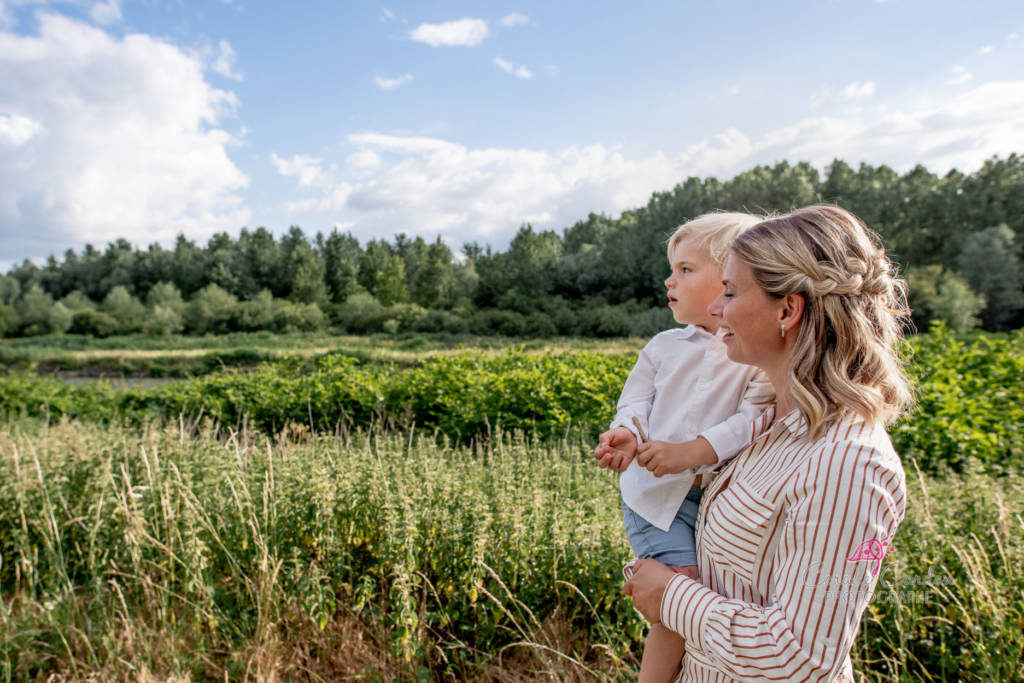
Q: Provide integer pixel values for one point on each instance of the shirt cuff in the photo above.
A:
(628, 425)
(723, 440)
(686, 608)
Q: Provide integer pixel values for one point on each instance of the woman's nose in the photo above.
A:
(715, 308)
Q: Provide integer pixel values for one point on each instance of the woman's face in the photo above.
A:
(749, 317)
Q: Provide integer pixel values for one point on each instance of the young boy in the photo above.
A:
(684, 410)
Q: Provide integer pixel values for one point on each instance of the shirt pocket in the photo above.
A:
(738, 529)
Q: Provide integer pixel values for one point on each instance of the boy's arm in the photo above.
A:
(729, 437)
(637, 395)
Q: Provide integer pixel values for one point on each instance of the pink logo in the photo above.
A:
(871, 550)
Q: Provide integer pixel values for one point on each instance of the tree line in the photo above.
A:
(957, 238)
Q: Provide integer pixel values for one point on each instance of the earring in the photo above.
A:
(783, 327)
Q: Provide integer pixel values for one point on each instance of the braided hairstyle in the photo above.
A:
(846, 356)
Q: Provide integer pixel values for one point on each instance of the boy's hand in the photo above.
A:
(616, 448)
(661, 457)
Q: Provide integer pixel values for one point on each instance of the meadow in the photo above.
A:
(324, 517)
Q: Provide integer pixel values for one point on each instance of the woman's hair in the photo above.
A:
(714, 232)
(846, 357)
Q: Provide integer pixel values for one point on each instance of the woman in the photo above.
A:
(791, 534)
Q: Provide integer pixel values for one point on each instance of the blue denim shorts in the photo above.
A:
(677, 546)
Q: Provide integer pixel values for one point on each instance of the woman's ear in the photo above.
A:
(792, 311)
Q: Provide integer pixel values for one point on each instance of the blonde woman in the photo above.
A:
(791, 534)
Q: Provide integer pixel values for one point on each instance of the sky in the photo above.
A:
(146, 119)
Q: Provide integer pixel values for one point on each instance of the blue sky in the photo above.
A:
(148, 119)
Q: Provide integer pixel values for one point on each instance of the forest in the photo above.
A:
(956, 237)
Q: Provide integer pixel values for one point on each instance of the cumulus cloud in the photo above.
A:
(859, 91)
(514, 19)
(436, 186)
(106, 12)
(117, 137)
(519, 71)
(391, 83)
(985, 49)
(306, 169)
(960, 75)
(16, 130)
(466, 32)
(223, 61)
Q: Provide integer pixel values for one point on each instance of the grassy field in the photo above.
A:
(180, 356)
(169, 552)
(434, 516)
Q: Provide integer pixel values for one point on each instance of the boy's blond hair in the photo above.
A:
(714, 232)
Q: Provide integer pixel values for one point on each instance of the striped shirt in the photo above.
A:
(784, 540)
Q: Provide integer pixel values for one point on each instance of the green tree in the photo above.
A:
(382, 273)
(940, 294)
(9, 320)
(302, 269)
(128, 311)
(167, 310)
(341, 265)
(10, 290)
(34, 311)
(989, 262)
(76, 301)
(210, 310)
(59, 318)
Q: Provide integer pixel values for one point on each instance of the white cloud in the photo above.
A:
(129, 142)
(960, 75)
(519, 71)
(386, 14)
(734, 90)
(435, 186)
(306, 169)
(467, 32)
(106, 12)
(16, 130)
(1013, 36)
(391, 83)
(514, 19)
(224, 61)
(984, 50)
(820, 96)
(859, 91)
(363, 160)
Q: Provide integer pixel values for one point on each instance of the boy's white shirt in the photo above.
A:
(683, 386)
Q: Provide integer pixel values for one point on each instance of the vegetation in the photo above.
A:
(213, 554)
(959, 237)
(970, 397)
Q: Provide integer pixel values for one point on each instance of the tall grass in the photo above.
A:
(178, 551)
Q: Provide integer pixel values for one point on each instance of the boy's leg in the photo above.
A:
(663, 650)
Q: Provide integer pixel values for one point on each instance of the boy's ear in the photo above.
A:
(792, 311)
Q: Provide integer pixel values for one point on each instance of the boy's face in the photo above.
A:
(695, 282)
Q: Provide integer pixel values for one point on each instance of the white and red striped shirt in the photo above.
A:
(780, 538)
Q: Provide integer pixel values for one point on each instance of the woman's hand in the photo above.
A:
(647, 587)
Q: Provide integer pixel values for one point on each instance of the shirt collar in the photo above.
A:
(793, 422)
(694, 331)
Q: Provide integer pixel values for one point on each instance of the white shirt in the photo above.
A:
(783, 578)
(684, 386)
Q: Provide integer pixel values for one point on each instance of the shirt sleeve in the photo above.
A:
(729, 437)
(637, 397)
(806, 630)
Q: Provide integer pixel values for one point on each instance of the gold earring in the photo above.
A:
(783, 331)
